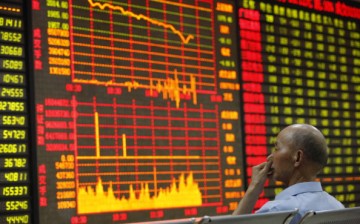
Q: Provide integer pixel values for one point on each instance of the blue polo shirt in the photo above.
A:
(304, 196)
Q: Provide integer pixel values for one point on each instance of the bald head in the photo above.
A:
(308, 139)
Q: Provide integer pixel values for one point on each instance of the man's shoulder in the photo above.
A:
(319, 200)
(279, 205)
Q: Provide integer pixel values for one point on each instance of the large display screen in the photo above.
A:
(300, 63)
(143, 110)
(137, 107)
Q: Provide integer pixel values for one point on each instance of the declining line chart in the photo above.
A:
(158, 46)
(141, 17)
(136, 155)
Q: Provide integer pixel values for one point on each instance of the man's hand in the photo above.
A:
(259, 175)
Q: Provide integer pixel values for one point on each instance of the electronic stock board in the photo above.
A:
(130, 111)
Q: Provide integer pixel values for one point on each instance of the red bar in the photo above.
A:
(249, 14)
(255, 160)
(250, 35)
(251, 56)
(255, 129)
(250, 45)
(254, 118)
(255, 139)
(252, 150)
(252, 87)
(252, 77)
(254, 108)
(252, 66)
(249, 24)
(253, 97)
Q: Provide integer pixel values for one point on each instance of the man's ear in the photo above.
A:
(298, 158)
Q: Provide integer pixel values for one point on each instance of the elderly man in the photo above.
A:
(300, 154)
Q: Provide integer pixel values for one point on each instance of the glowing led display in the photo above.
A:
(143, 110)
(121, 112)
(14, 152)
(300, 65)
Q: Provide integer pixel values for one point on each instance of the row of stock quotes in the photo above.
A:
(300, 64)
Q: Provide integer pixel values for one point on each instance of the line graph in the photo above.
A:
(131, 46)
(136, 155)
(170, 88)
(141, 16)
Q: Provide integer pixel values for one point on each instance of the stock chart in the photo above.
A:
(137, 108)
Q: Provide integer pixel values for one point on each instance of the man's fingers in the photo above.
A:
(268, 164)
(263, 169)
(260, 166)
(268, 169)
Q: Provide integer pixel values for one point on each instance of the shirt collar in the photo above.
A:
(299, 188)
